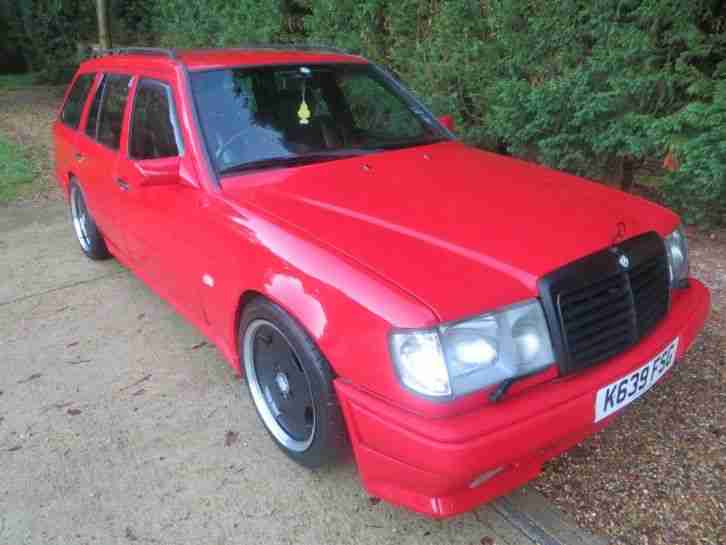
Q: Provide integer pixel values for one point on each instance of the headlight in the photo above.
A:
(462, 357)
(677, 248)
(420, 362)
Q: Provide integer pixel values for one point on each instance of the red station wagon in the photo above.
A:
(455, 316)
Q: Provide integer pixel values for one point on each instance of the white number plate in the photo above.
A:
(624, 391)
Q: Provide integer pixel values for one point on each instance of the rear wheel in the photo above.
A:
(87, 233)
(291, 386)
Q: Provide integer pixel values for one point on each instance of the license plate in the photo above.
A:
(624, 391)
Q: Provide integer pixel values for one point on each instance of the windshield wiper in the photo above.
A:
(401, 144)
(286, 162)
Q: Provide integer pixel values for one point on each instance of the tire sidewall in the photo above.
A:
(97, 249)
(329, 434)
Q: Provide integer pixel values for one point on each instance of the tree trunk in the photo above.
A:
(30, 48)
(104, 37)
(627, 173)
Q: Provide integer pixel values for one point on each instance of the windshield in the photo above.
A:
(280, 116)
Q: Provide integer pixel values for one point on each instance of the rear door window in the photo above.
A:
(71, 114)
(154, 127)
(113, 105)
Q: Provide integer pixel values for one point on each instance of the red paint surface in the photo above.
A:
(356, 247)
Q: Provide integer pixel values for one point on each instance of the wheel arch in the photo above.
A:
(70, 177)
(287, 292)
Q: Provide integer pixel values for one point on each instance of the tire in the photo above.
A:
(294, 396)
(84, 226)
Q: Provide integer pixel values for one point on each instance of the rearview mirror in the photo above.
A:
(159, 171)
(447, 121)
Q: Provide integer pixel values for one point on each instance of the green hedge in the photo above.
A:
(593, 87)
(216, 23)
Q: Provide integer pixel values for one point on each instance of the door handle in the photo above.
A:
(123, 185)
(80, 157)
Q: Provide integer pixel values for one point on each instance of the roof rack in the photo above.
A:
(157, 51)
(172, 53)
(293, 47)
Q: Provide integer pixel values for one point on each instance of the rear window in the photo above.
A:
(71, 114)
(105, 120)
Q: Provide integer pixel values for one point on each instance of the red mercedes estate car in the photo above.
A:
(455, 316)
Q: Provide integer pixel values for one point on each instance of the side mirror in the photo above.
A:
(164, 171)
(447, 121)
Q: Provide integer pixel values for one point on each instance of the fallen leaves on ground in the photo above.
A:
(142, 379)
(230, 438)
(130, 535)
(78, 362)
(32, 377)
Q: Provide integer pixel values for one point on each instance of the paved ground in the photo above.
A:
(118, 426)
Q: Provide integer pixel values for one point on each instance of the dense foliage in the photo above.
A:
(49, 36)
(594, 87)
(601, 86)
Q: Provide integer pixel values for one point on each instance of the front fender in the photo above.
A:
(347, 309)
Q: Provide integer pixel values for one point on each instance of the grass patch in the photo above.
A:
(15, 170)
(17, 81)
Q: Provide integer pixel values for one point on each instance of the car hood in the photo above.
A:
(463, 231)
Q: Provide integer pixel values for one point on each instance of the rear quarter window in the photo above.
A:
(73, 108)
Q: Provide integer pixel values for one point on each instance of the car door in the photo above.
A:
(65, 128)
(98, 148)
(162, 200)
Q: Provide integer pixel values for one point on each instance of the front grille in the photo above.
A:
(597, 307)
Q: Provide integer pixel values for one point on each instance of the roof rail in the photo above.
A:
(158, 51)
(293, 47)
(172, 53)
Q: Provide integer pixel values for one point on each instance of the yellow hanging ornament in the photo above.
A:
(304, 113)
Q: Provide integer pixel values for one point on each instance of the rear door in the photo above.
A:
(98, 154)
(65, 129)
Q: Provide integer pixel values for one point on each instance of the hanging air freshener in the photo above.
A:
(303, 112)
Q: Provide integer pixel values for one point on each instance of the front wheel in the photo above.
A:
(87, 233)
(291, 385)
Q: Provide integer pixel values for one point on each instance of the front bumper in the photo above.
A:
(447, 466)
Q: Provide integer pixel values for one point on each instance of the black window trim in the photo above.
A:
(99, 87)
(172, 112)
(104, 76)
(84, 102)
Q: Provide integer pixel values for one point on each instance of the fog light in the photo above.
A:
(484, 477)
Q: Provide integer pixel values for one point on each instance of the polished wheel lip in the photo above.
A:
(259, 397)
(79, 216)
